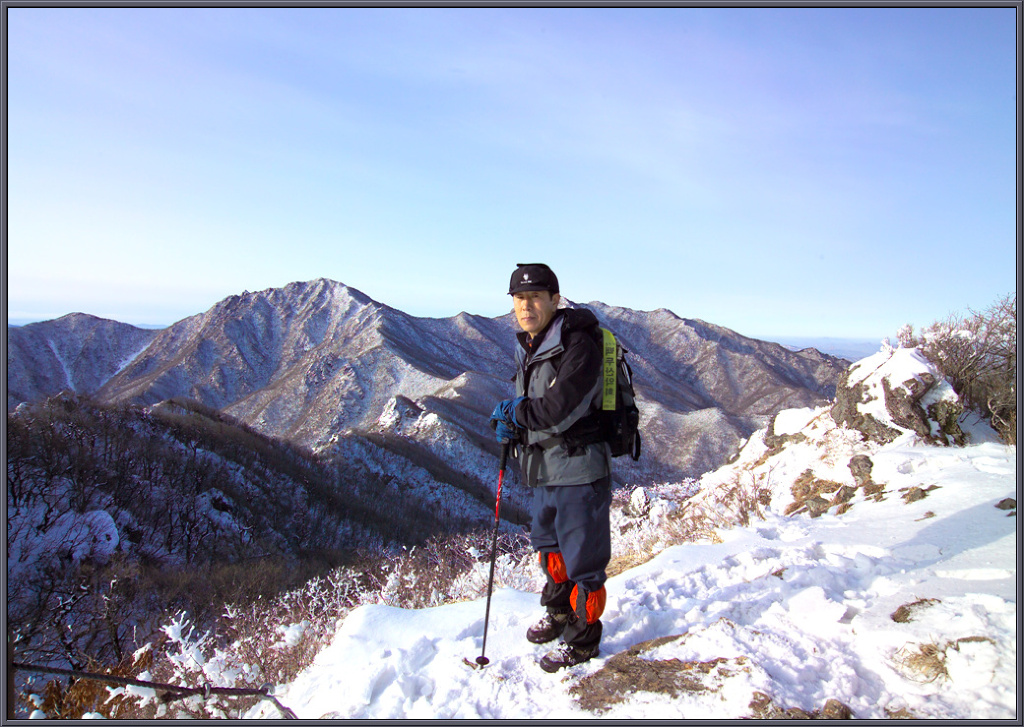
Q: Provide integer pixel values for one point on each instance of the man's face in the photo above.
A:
(535, 309)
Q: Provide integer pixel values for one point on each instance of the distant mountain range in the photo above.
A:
(322, 365)
(851, 349)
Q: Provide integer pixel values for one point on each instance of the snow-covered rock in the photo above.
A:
(894, 392)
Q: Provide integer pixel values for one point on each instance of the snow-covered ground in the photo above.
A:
(898, 601)
(797, 609)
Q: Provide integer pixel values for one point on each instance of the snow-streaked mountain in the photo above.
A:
(76, 352)
(315, 360)
(307, 361)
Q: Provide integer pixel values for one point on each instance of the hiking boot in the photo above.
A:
(549, 628)
(566, 655)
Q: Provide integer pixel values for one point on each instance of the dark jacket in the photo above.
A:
(562, 380)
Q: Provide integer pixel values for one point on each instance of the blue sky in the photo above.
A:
(778, 171)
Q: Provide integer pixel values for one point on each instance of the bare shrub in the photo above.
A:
(738, 502)
(72, 698)
(977, 354)
(437, 572)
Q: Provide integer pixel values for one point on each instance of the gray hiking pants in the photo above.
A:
(573, 520)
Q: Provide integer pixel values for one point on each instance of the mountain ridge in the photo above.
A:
(317, 360)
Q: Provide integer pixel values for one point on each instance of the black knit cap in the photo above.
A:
(532, 276)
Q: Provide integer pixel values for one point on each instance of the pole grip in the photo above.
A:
(504, 456)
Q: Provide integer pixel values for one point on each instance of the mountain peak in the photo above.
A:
(72, 320)
(322, 289)
(325, 286)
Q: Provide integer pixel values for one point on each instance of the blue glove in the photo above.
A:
(504, 432)
(503, 420)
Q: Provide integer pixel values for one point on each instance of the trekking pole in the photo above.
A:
(483, 660)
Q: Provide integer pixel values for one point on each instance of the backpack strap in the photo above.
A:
(610, 369)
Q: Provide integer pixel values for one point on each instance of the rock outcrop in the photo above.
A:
(895, 392)
(822, 460)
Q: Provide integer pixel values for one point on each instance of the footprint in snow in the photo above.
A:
(378, 683)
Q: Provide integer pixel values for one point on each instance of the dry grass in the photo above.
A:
(922, 662)
(901, 713)
(628, 672)
(763, 707)
(908, 611)
(926, 663)
(806, 488)
(874, 491)
(622, 563)
(913, 494)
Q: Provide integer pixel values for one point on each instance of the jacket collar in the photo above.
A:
(550, 340)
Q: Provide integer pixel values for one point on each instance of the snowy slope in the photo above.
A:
(896, 607)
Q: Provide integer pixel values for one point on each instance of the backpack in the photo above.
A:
(619, 415)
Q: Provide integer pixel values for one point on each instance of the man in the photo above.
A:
(554, 420)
